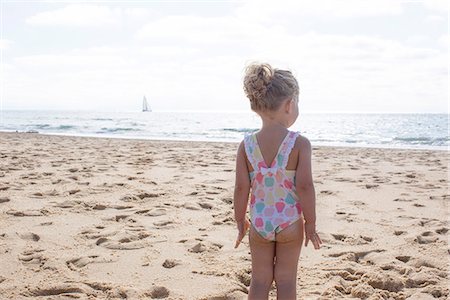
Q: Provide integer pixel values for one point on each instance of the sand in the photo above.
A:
(99, 218)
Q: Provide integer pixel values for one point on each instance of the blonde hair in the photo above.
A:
(267, 88)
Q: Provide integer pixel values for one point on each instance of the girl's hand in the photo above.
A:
(311, 235)
(243, 226)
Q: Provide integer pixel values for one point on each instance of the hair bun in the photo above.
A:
(257, 81)
(267, 88)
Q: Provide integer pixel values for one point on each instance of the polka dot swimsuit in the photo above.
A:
(274, 202)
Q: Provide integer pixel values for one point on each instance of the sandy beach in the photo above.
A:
(101, 218)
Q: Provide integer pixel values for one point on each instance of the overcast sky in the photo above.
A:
(348, 55)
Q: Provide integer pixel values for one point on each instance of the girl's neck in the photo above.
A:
(271, 123)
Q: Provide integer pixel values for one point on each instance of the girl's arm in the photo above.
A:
(241, 187)
(304, 181)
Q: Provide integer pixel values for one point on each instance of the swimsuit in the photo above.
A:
(274, 203)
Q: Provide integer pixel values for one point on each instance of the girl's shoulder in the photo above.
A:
(302, 143)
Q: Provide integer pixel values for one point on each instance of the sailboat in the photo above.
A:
(145, 106)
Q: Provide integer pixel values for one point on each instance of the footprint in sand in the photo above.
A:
(371, 186)
(68, 203)
(399, 232)
(33, 257)
(426, 237)
(80, 262)
(244, 276)
(27, 213)
(29, 236)
(224, 218)
(442, 197)
(164, 224)
(141, 197)
(442, 230)
(198, 248)
(326, 192)
(355, 256)
(205, 205)
(71, 290)
(170, 263)
(99, 206)
(403, 258)
(191, 206)
(126, 234)
(349, 217)
(203, 246)
(358, 203)
(237, 293)
(428, 222)
(153, 212)
(383, 281)
(403, 200)
(73, 191)
(157, 292)
(37, 195)
(4, 199)
(227, 200)
(344, 179)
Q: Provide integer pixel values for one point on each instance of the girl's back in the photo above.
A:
(274, 203)
(273, 165)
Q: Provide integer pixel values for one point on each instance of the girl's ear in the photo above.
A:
(289, 105)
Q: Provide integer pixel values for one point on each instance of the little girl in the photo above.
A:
(275, 165)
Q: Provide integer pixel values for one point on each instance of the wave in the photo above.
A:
(50, 127)
(412, 139)
(117, 129)
(64, 127)
(239, 129)
(102, 119)
(441, 141)
(41, 126)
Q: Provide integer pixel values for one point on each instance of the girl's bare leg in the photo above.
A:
(288, 247)
(262, 252)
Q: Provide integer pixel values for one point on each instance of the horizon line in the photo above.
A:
(220, 111)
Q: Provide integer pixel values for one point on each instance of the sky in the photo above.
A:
(347, 55)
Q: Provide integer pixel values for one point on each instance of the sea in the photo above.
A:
(405, 131)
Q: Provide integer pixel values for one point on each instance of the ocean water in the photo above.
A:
(407, 131)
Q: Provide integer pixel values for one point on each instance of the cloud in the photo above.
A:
(188, 61)
(78, 15)
(70, 60)
(444, 41)
(434, 19)
(136, 12)
(336, 71)
(104, 57)
(441, 6)
(203, 30)
(267, 9)
(5, 44)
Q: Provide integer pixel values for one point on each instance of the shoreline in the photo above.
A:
(137, 138)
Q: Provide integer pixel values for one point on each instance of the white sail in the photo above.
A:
(145, 106)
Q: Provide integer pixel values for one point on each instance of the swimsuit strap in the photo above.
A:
(250, 146)
(255, 157)
(286, 149)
